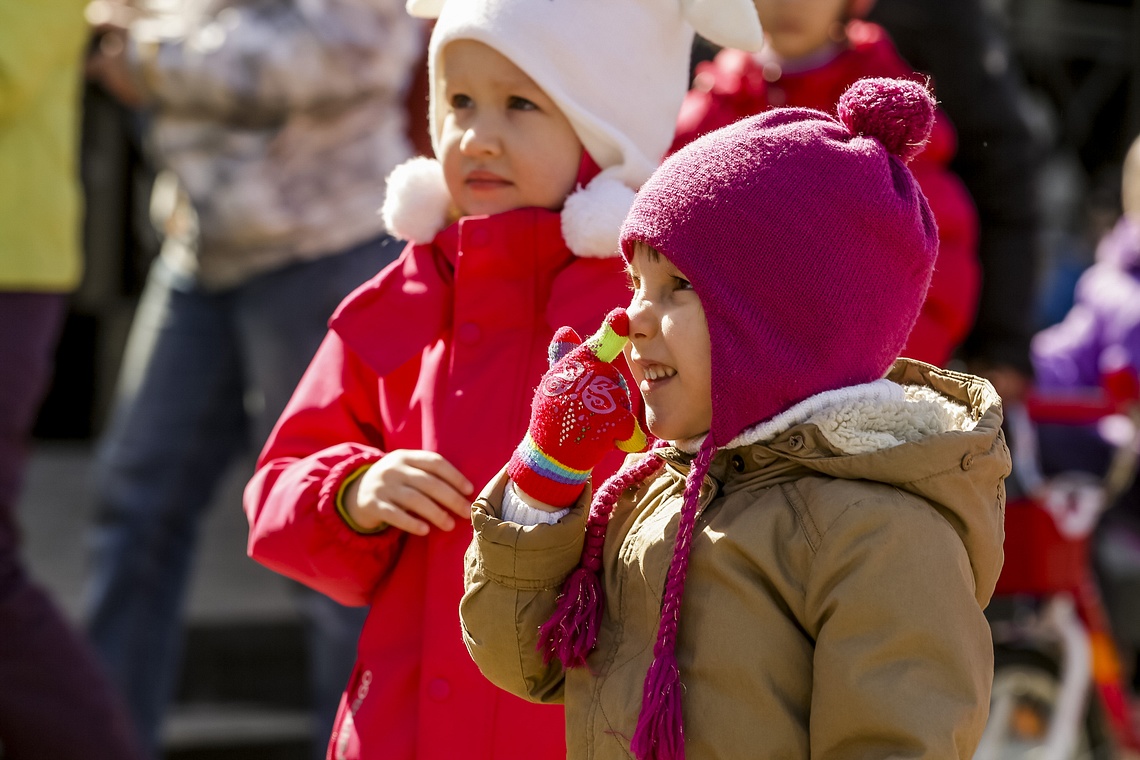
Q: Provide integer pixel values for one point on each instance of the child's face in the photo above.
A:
(504, 144)
(669, 352)
(795, 28)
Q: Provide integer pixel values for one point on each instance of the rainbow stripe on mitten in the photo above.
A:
(543, 477)
(581, 412)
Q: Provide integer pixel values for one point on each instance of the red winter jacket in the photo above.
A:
(441, 351)
(735, 85)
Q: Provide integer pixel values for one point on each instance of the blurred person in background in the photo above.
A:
(997, 159)
(276, 123)
(814, 50)
(55, 701)
(975, 80)
(1099, 335)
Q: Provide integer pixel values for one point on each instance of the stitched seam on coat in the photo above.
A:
(798, 504)
(518, 649)
(625, 552)
(516, 584)
(940, 473)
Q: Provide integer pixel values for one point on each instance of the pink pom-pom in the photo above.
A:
(898, 113)
(618, 321)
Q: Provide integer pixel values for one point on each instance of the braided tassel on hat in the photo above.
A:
(572, 631)
(660, 732)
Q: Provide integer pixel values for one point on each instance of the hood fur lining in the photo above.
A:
(861, 419)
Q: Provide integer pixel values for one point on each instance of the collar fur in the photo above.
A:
(417, 206)
(863, 418)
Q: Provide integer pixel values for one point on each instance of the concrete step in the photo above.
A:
(220, 731)
(243, 691)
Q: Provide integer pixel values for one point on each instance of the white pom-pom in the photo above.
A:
(592, 217)
(416, 200)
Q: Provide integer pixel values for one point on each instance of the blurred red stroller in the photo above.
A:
(1058, 691)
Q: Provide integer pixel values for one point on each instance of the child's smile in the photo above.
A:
(668, 351)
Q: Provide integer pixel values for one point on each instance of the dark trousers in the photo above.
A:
(55, 702)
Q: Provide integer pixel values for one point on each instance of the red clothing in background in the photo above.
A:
(736, 84)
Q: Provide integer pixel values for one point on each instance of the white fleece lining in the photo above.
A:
(515, 510)
(860, 419)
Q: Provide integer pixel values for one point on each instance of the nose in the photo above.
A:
(481, 138)
(642, 323)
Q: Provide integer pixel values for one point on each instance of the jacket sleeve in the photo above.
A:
(37, 39)
(903, 659)
(258, 62)
(512, 577)
(327, 432)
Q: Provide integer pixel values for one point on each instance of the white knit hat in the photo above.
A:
(617, 69)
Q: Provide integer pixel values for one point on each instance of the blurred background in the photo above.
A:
(243, 690)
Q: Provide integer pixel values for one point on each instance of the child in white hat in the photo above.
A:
(545, 116)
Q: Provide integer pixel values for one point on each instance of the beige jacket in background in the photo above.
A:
(280, 120)
(833, 604)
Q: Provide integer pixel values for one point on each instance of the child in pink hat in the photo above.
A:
(798, 566)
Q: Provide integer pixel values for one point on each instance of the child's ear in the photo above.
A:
(564, 341)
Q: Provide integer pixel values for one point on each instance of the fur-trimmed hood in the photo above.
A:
(417, 206)
(924, 430)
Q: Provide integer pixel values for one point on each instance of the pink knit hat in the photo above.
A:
(806, 238)
(811, 248)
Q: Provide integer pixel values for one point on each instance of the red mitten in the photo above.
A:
(581, 411)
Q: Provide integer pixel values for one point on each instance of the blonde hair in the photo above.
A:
(1130, 186)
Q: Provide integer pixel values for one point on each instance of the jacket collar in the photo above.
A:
(941, 441)
(393, 317)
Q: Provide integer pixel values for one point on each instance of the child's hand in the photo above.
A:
(409, 490)
(581, 411)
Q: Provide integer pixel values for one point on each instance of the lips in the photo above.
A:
(484, 180)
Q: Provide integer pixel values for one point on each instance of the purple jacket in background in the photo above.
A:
(1102, 330)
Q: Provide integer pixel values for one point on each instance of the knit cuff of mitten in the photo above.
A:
(525, 557)
(542, 477)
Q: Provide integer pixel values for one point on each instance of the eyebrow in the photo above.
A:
(510, 83)
(651, 253)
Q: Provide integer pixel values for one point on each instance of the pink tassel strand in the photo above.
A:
(571, 633)
(660, 732)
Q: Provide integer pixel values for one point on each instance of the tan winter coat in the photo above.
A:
(833, 604)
